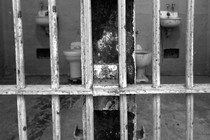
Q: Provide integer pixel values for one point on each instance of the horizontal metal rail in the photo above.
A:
(90, 90)
(100, 91)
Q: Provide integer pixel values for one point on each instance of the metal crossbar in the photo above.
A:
(87, 88)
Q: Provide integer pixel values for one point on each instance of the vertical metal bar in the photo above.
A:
(156, 117)
(20, 73)
(208, 42)
(83, 45)
(88, 44)
(54, 68)
(88, 68)
(122, 42)
(82, 30)
(190, 111)
(89, 118)
(122, 68)
(53, 43)
(156, 44)
(156, 69)
(123, 118)
(189, 44)
(22, 126)
(189, 67)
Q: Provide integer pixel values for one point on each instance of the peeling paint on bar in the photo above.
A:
(87, 58)
(88, 44)
(89, 118)
(53, 44)
(54, 68)
(20, 73)
(82, 31)
(190, 116)
(156, 69)
(156, 117)
(21, 105)
(189, 67)
(122, 68)
(156, 44)
(189, 44)
(109, 91)
(123, 118)
(56, 117)
(122, 42)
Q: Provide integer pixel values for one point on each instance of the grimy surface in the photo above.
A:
(173, 110)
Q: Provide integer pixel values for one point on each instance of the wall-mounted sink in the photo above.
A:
(42, 19)
(169, 19)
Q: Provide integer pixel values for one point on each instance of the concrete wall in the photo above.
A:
(176, 66)
(69, 30)
(35, 37)
(1, 44)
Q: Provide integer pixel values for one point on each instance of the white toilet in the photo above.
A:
(73, 55)
(143, 59)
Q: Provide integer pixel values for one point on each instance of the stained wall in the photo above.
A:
(69, 31)
(176, 40)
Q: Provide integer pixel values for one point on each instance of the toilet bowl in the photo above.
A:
(73, 56)
(143, 59)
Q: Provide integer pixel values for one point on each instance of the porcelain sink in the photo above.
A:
(42, 19)
(169, 19)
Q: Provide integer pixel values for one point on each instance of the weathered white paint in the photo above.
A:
(156, 44)
(54, 68)
(166, 89)
(87, 58)
(82, 28)
(20, 73)
(21, 111)
(88, 45)
(189, 44)
(156, 69)
(87, 71)
(53, 43)
(123, 118)
(80, 90)
(122, 42)
(156, 117)
(122, 68)
(56, 117)
(190, 116)
(89, 118)
(189, 66)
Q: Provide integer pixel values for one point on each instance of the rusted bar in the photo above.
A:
(20, 73)
(189, 67)
(54, 68)
(122, 67)
(156, 68)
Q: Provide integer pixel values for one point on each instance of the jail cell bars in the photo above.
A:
(87, 88)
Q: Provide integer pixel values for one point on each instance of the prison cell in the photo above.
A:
(87, 88)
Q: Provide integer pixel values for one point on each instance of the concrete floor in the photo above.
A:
(173, 113)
